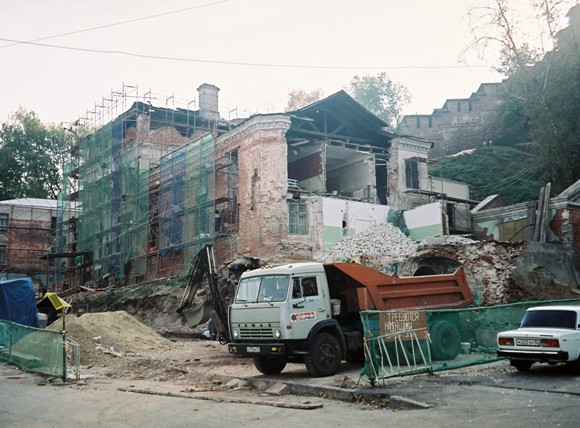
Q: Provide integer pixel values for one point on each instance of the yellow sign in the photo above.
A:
(396, 322)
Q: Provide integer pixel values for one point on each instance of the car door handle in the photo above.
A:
(320, 309)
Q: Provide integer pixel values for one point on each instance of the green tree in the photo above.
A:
(541, 98)
(298, 98)
(31, 157)
(381, 95)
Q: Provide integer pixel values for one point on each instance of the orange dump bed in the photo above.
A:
(364, 288)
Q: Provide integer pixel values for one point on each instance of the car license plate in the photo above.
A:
(527, 342)
(253, 349)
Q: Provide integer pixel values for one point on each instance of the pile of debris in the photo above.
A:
(116, 344)
(384, 239)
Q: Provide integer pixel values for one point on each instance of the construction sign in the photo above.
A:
(400, 321)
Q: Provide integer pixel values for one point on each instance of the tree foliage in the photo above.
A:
(541, 99)
(31, 157)
(381, 95)
(298, 98)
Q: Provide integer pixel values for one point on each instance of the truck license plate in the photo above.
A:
(527, 342)
(255, 349)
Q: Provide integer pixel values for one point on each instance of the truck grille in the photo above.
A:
(256, 333)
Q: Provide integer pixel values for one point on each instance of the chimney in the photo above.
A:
(208, 102)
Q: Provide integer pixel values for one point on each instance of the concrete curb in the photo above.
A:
(335, 393)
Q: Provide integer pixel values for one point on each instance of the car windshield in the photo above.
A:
(266, 288)
(550, 318)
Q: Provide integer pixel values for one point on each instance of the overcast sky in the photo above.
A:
(306, 44)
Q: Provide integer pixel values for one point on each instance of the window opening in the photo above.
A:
(298, 217)
(3, 221)
(412, 173)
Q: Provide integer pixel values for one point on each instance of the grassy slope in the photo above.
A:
(489, 170)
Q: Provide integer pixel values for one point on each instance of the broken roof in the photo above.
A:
(343, 117)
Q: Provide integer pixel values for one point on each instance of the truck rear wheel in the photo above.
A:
(446, 340)
(269, 365)
(324, 355)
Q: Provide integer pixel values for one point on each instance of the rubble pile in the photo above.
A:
(384, 239)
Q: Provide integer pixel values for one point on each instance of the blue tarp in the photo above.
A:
(18, 302)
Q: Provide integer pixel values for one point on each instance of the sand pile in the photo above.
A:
(110, 334)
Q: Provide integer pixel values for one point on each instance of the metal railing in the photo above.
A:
(397, 354)
(73, 358)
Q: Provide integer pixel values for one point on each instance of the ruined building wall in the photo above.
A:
(262, 186)
(402, 197)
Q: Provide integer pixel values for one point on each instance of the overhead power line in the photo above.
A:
(249, 64)
(115, 24)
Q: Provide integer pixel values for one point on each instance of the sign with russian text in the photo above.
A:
(403, 321)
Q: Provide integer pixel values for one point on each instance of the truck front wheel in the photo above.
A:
(269, 365)
(324, 355)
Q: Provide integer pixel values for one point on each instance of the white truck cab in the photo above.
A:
(276, 314)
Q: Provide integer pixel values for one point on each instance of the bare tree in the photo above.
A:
(519, 32)
(298, 98)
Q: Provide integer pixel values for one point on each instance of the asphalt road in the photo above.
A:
(491, 395)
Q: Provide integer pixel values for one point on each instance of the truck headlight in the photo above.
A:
(277, 333)
(235, 333)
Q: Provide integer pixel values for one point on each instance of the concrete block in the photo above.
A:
(278, 389)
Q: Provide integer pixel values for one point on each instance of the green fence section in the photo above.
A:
(455, 337)
(32, 349)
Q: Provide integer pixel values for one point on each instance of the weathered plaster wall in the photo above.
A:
(424, 221)
(565, 224)
(343, 218)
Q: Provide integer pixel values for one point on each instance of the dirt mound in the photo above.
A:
(103, 335)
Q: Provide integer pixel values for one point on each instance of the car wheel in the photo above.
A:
(269, 365)
(324, 355)
(574, 366)
(522, 365)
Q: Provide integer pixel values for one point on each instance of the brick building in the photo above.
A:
(27, 233)
(460, 124)
(156, 184)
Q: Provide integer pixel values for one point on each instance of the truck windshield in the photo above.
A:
(266, 288)
(550, 318)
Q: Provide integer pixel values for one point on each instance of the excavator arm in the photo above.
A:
(214, 307)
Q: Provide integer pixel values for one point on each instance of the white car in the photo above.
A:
(547, 334)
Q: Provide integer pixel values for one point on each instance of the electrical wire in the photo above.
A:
(248, 64)
(115, 24)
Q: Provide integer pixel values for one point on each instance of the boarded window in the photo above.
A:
(513, 231)
(412, 173)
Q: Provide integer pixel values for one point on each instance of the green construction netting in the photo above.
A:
(406, 342)
(35, 350)
(119, 223)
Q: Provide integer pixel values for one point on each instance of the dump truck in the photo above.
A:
(309, 313)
